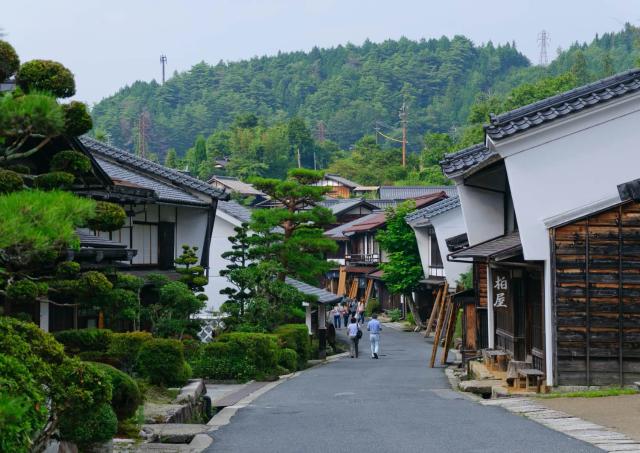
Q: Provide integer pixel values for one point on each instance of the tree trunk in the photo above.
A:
(414, 310)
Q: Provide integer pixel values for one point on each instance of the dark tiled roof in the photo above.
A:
(458, 242)
(369, 222)
(165, 192)
(341, 180)
(459, 162)
(405, 192)
(340, 206)
(384, 204)
(89, 240)
(322, 296)
(236, 210)
(562, 105)
(100, 149)
(433, 210)
(235, 185)
(337, 233)
(501, 247)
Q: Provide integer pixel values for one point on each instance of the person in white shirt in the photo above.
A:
(374, 327)
(354, 332)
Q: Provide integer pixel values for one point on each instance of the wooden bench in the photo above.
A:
(494, 358)
(530, 373)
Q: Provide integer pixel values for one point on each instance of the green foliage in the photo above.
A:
(193, 276)
(214, 361)
(73, 162)
(46, 76)
(239, 293)
(466, 280)
(20, 168)
(22, 291)
(93, 288)
(126, 396)
(259, 349)
(9, 61)
(109, 217)
(90, 427)
(296, 337)
(82, 340)
(56, 180)
(35, 226)
(288, 359)
(162, 362)
(394, 314)
(77, 120)
(67, 269)
(373, 306)
(10, 181)
(125, 348)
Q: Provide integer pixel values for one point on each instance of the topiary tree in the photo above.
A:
(9, 61)
(46, 76)
(108, 217)
(72, 162)
(77, 120)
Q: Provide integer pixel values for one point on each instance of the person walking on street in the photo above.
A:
(354, 332)
(374, 327)
(345, 314)
(336, 316)
(352, 308)
(360, 311)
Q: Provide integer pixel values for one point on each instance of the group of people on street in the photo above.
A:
(341, 313)
(352, 314)
(355, 333)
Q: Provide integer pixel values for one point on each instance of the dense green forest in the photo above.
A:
(263, 112)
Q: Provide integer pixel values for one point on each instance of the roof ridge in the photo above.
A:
(145, 165)
(434, 209)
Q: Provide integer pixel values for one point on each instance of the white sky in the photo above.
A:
(109, 44)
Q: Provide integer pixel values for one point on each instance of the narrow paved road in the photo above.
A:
(395, 404)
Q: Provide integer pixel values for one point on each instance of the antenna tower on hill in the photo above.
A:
(163, 62)
(543, 42)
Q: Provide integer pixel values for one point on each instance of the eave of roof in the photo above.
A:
(562, 105)
(322, 296)
(495, 249)
(146, 166)
(406, 192)
(462, 161)
(341, 180)
(423, 215)
(367, 223)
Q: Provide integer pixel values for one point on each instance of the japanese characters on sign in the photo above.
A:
(500, 289)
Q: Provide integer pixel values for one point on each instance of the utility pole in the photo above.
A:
(143, 127)
(377, 129)
(543, 40)
(163, 62)
(299, 162)
(403, 120)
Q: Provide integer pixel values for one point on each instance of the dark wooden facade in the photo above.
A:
(596, 264)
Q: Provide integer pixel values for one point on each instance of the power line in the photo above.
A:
(543, 42)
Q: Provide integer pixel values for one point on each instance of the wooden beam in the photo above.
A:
(342, 281)
(367, 293)
(435, 309)
(451, 327)
(436, 338)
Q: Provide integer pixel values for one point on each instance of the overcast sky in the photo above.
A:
(109, 44)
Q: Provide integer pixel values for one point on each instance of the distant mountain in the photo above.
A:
(343, 91)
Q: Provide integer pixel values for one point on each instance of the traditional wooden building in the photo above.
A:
(340, 187)
(549, 205)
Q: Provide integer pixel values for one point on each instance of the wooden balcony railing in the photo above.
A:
(373, 258)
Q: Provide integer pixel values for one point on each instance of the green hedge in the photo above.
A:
(288, 359)
(162, 362)
(296, 337)
(260, 350)
(91, 427)
(126, 396)
(83, 340)
(124, 348)
(214, 361)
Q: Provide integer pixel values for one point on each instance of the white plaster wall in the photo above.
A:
(483, 213)
(424, 248)
(447, 225)
(190, 228)
(222, 229)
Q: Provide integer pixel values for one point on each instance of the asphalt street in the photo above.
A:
(394, 404)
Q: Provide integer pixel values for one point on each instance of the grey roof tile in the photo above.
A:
(323, 296)
(134, 162)
(504, 246)
(165, 192)
(461, 161)
(433, 210)
(340, 206)
(91, 241)
(562, 105)
(235, 185)
(341, 180)
(236, 210)
(406, 192)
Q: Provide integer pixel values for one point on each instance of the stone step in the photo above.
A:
(481, 387)
(172, 433)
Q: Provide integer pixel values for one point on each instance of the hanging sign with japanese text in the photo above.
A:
(501, 283)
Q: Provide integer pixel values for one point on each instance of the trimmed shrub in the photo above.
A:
(394, 314)
(46, 75)
(126, 396)
(125, 348)
(259, 349)
(214, 361)
(54, 180)
(90, 427)
(72, 162)
(20, 168)
(109, 217)
(77, 120)
(162, 362)
(68, 269)
(288, 359)
(296, 337)
(373, 306)
(10, 181)
(23, 291)
(9, 61)
(82, 340)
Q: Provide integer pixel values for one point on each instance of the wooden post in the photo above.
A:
(367, 293)
(451, 327)
(342, 281)
(436, 338)
(435, 310)
(101, 320)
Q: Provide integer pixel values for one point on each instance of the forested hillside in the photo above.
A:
(263, 112)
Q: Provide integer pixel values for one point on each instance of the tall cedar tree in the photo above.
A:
(292, 235)
(403, 271)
